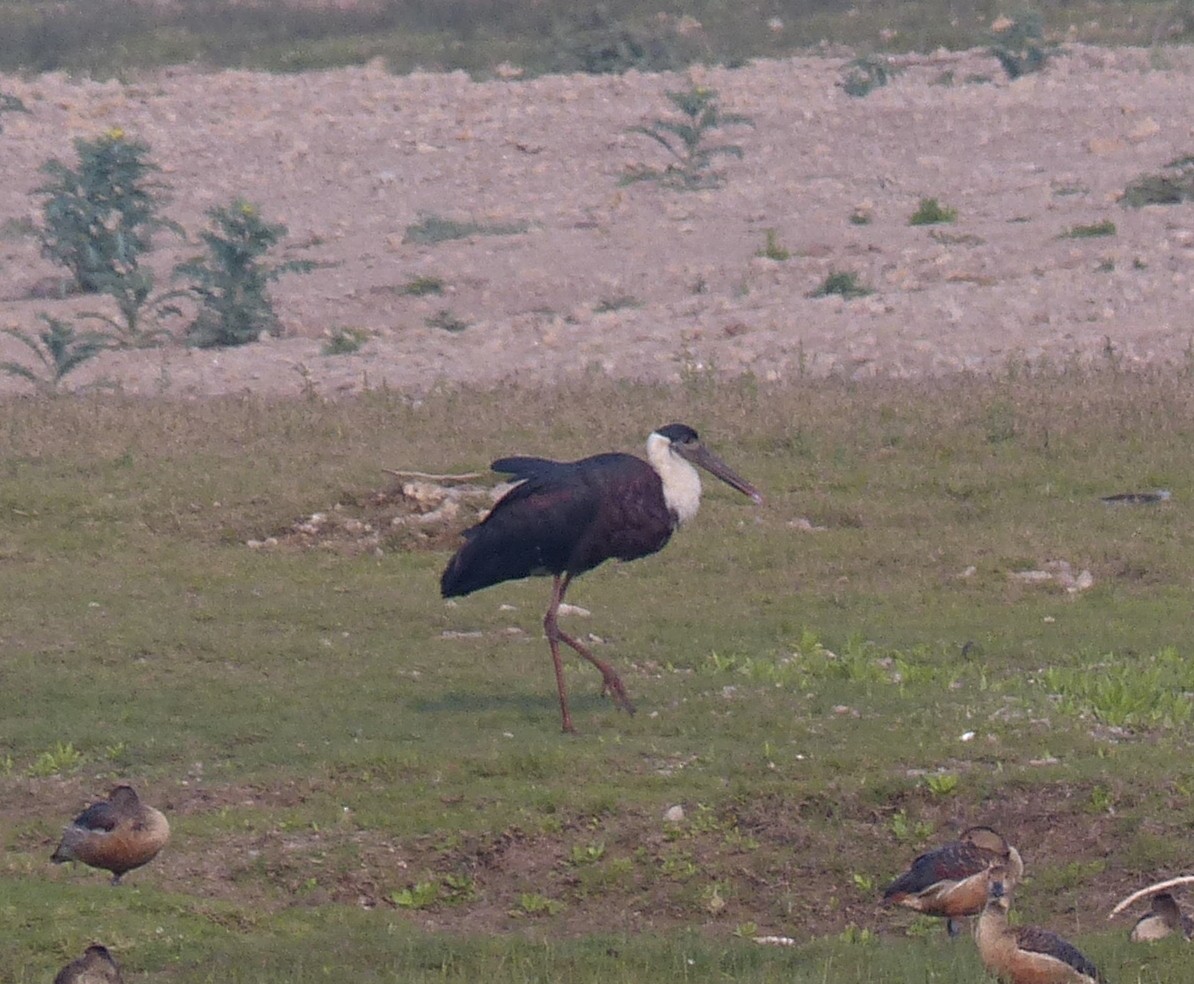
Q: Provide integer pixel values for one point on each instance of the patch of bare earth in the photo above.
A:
(640, 281)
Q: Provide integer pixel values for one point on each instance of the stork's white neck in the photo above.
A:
(681, 482)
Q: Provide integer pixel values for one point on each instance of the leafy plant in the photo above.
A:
(863, 75)
(59, 349)
(931, 212)
(685, 139)
(100, 216)
(421, 895)
(1104, 228)
(61, 758)
(942, 783)
(1017, 43)
(534, 904)
(772, 249)
(586, 853)
(232, 281)
(843, 283)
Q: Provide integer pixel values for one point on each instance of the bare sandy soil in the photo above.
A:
(349, 159)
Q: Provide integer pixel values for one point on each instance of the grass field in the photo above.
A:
(113, 37)
(365, 781)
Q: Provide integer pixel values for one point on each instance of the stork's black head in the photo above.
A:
(679, 434)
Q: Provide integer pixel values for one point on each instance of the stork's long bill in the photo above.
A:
(698, 454)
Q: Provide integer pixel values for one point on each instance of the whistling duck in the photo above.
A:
(1025, 954)
(1164, 918)
(96, 966)
(118, 834)
(951, 881)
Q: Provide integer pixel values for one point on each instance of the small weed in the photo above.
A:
(232, 281)
(61, 758)
(862, 215)
(1106, 265)
(1151, 693)
(856, 935)
(445, 320)
(586, 853)
(772, 250)
(746, 930)
(534, 904)
(955, 238)
(1017, 43)
(942, 784)
(1101, 800)
(864, 75)
(864, 883)
(15, 229)
(843, 283)
(58, 347)
(685, 140)
(421, 895)
(422, 286)
(1104, 228)
(931, 212)
(596, 43)
(907, 831)
(459, 889)
(6, 764)
(432, 229)
(345, 341)
(618, 303)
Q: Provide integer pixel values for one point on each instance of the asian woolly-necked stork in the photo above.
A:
(951, 880)
(565, 518)
(1025, 954)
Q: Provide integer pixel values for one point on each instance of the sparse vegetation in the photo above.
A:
(863, 75)
(10, 104)
(59, 350)
(345, 341)
(445, 320)
(1171, 186)
(232, 281)
(843, 283)
(1090, 231)
(423, 286)
(432, 229)
(772, 248)
(1018, 42)
(617, 303)
(932, 212)
(686, 139)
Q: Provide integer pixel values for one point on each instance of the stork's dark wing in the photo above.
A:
(98, 816)
(950, 862)
(1036, 940)
(531, 530)
(521, 466)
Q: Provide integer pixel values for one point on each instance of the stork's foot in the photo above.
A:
(611, 686)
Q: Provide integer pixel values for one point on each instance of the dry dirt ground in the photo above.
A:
(349, 159)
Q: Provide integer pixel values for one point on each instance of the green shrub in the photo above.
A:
(1094, 229)
(345, 341)
(931, 212)
(597, 43)
(845, 284)
(684, 139)
(100, 216)
(864, 75)
(1017, 43)
(1172, 186)
(59, 349)
(231, 282)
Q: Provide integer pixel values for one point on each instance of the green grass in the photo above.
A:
(110, 38)
(1090, 231)
(433, 229)
(327, 733)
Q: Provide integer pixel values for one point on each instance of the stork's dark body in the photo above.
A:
(566, 517)
(563, 518)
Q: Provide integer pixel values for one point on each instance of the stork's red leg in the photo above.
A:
(553, 634)
(611, 683)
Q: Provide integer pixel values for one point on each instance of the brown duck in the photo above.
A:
(1163, 919)
(1025, 954)
(118, 834)
(96, 966)
(951, 881)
